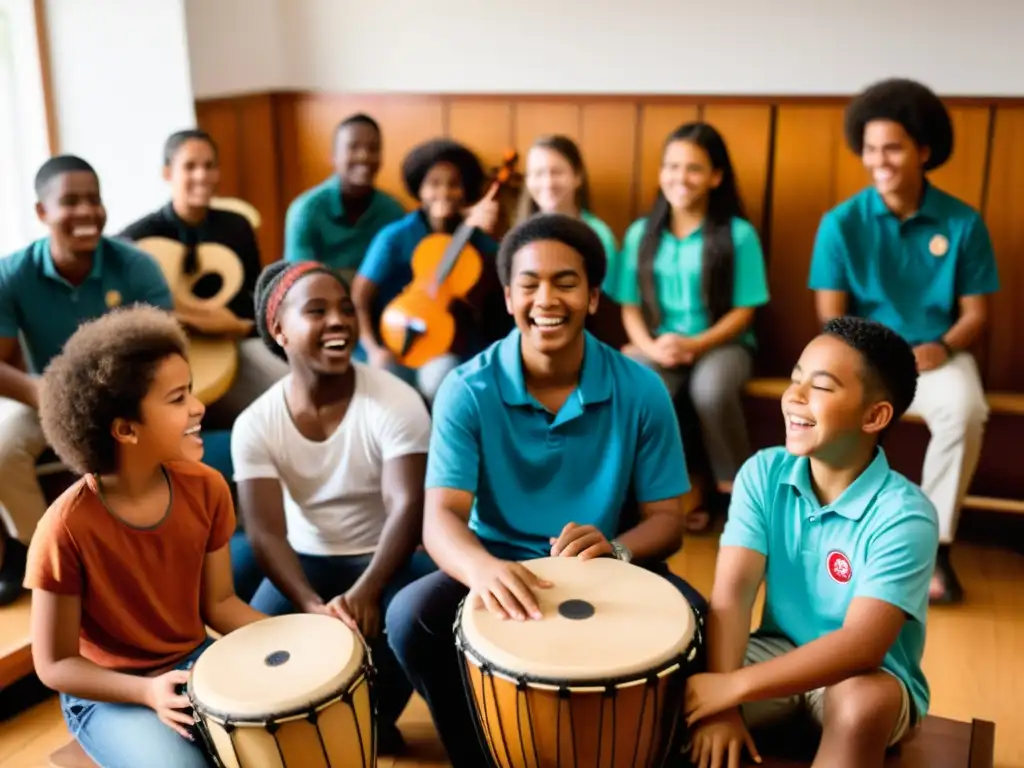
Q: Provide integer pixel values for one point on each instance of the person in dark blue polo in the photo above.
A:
(445, 177)
(845, 547)
(46, 290)
(335, 221)
(537, 445)
(917, 259)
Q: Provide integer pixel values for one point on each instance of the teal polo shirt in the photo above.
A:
(878, 540)
(611, 250)
(908, 275)
(678, 269)
(315, 228)
(532, 471)
(47, 309)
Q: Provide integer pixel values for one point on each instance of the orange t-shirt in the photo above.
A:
(140, 587)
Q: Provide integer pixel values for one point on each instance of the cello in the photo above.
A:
(418, 326)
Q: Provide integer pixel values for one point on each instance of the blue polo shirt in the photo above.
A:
(315, 228)
(47, 309)
(908, 275)
(678, 275)
(878, 540)
(532, 471)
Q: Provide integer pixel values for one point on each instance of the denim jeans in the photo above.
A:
(421, 620)
(330, 576)
(130, 735)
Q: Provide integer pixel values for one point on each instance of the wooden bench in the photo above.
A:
(1002, 403)
(938, 743)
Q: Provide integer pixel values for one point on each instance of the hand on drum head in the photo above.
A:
(359, 608)
(582, 541)
(163, 698)
(718, 741)
(506, 589)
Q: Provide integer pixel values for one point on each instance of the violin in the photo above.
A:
(418, 326)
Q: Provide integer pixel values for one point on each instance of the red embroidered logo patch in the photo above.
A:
(839, 567)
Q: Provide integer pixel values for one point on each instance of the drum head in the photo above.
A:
(603, 619)
(275, 666)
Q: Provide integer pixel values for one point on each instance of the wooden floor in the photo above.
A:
(974, 661)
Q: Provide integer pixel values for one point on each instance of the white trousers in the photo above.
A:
(951, 400)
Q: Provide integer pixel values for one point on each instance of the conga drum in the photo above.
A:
(599, 681)
(286, 692)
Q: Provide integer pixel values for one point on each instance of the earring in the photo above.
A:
(280, 341)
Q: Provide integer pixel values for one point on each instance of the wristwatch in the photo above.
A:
(620, 551)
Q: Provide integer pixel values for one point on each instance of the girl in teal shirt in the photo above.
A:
(690, 276)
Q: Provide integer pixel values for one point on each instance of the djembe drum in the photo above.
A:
(287, 692)
(599, 681)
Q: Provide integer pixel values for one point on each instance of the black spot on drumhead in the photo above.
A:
(577, 610)
(277, 658)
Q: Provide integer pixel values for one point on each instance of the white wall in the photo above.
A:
(121, 84)
(605, 46)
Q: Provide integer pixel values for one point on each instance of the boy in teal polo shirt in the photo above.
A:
(335, 221)
(537, 445)
(47, 290)
(920, 261)
(845, 547)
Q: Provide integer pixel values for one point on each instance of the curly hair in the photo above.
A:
(889, 359)
(567, 230)
(274, 283)
(103, 373)
(425, 156)
(914, 106)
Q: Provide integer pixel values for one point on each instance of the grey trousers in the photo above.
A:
(715, 386)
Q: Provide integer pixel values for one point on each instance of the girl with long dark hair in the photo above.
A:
(692, 275)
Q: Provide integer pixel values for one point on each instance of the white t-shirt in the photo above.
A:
(332, 489)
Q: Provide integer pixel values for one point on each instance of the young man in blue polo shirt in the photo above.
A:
(46, 290)
(917, 259)
(335, 221)
(537, 444)
(845, 547)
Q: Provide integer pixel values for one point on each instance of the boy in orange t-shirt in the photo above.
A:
(132, 562)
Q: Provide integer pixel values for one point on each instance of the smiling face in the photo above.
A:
(169, 417)
(72, 209)
(357, 155)
(317, 324)
(892, 158)
(548, 295)
(193, 174)
(551, 181)
(441, 193)
(687, 175)
(827, 407)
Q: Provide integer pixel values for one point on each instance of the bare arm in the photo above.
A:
(221, 609)
(636, 329)
(16, 384)
(56, 624)
(364, 291)
(738, 574)
(858, 647)
(732, 324)
(972, 321)
(830, 304)
(402, 488)
(262, 510)
(446, 533)
(659, 534)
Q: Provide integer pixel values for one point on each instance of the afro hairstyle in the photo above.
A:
(268, 281)
(914, 106)
(103, 373)
(888, 358)
(425, 156)
(58, 166)
(567, 230)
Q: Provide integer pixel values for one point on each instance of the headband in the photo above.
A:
(288, 278)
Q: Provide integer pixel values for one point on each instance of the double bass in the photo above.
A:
(418, 326)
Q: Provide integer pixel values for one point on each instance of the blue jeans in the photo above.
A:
(244, 568)
(421, 622)
(330, 576)
(130, 735)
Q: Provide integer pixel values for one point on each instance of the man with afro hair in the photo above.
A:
(919, 260)
(445, 177)
(845, 547)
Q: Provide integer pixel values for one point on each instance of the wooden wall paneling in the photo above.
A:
(288, 150)
(258, 171)
(963, 175)
(808, 140)
(220, 119)
(657, 121)
(537, 118)
(1004, 214)
(747, 134)
(486, 127)
(608, 144)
